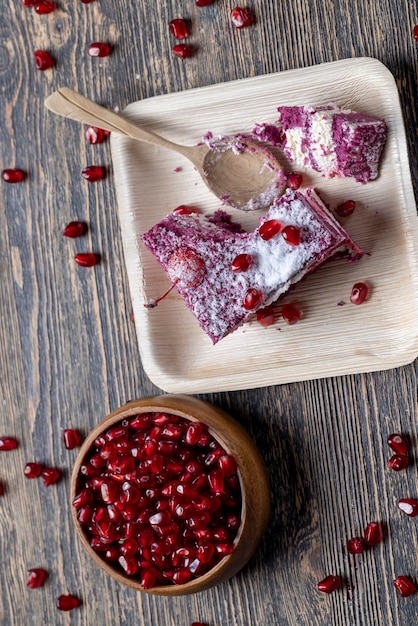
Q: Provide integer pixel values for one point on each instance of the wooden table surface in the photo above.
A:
(68, 348)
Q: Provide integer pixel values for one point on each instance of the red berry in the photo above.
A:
(42, 7)
(409, 506)
(93, 173)
(398, 462)
(67, 602)
(33, 470)
(294, 180)
(291, 234)
(72, 438)
(241, 17)
(373, 534)
(75, 229)
(178, 28)
(95, 135)
(50, 475)
(36, 578)
(270, 229)
(13, 175)
(359, 293)
(356, 545)
(345, 208)
(43, 60)
(7, 443)
(182, 50)
(404, 586)
(242, 262)
(99, 49)
(266, 316)
(329, 584)
(398, 443)
(252, 299)
(86, 259)
(291, 313)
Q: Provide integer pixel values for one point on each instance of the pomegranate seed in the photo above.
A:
(294, 180)
(86, 259)
(36, 578)
(72, 438)
(75, 229)
(415, 32)
(93, 173)
(13, 175)
(270, 229)
(43, 60)
(95, 135)
(33, 470)
(203, 3)
(182, 50)
(291, 313)
(329, 584)
(149, 577)
(398, 443)
(345, 208)
(373, 534)
(86, 1)
(50, 475)
(7, 444)
(193, 433)
(266, 316)
(99, 49)
(252, 299)
(83, 498)
(241, 17)
(200, 623)
(68, 602)
(178, 28)
(291, 234)
(183, 209)
(404, 586)
(242, 262)
(359, 293)
(186, 267)
(1, 489)
(409, 506)
(43, 7)
(398, 462)
(357, 545)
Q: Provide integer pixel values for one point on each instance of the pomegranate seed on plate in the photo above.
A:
(329, 584)
(95, 135)
(72, 438)
(291, 234)
(409, 506)
(345, 208)
(266, 316)
(68, 602)
(398, 443)
(183, 209)
(182, 50)
(75, 229)
(13, 175)
(356, 545)
(50, 475)
(33, 470)
(43, 60)
(270, 229)
(242, 262)
(373, 534)
(291, 313)
(178, 28)
(36, 577)
(252, 299)
(294, 180)
(99, 49)
(43, 7)
(404, 586)
(241, 17)
(359, 293)
(398, 462)
(7, 444)
(86, 259)
(93, 173)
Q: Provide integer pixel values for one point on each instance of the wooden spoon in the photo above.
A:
(238, 170)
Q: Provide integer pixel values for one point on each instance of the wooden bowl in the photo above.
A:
(255, 490)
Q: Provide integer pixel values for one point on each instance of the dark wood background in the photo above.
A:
(68, 351)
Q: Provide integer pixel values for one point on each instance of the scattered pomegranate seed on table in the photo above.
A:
(345, 208)
(356, 545)
(182, 50)
(266, 316)
(43, 7)
(95, 135)
(291, 234)
(373, 534)
(43, 60)
(398, 462)
(36, 577)
(409, 506)
(1, 489)
(404, 586)
(203, 3)
(50, 475)
(415, 32)
(252, 299)
(87, 259)
(68, 602)
(72, 438)
(359, 293)
(178, 28)
(329, 584)
(242, 262)
(93, 173)
(7, 444)
(33, 470)
(241, 17)
(99, 49)
(398, 443)
(75, 229)
(13, 175)
(198, 623)
(294, 180)
(270, 229)
(291, 313)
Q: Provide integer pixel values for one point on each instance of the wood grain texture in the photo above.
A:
(68, 350)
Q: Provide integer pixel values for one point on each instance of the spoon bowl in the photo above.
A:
(238, 170)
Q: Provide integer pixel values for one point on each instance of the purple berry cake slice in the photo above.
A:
(225, 275)
(331, 140)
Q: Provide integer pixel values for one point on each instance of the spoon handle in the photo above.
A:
(71, 104)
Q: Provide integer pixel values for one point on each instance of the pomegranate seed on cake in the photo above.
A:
(199, 255)
(330, 139)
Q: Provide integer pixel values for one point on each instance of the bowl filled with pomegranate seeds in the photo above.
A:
(170, 495)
